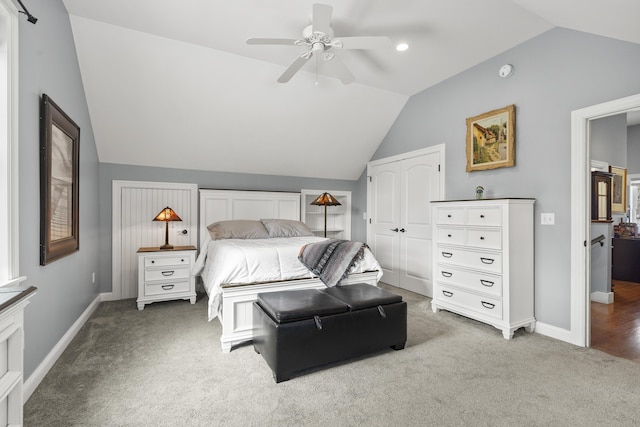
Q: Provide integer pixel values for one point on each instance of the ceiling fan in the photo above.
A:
(318, 40)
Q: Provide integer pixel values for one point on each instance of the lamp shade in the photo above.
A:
(326, 199)
(167, 214)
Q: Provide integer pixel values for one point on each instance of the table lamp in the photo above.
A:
(167, 214)
(325, 199)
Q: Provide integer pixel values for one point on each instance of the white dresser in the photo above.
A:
(165, 275)
(483, 261)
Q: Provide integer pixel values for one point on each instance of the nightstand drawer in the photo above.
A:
(156, 261)
(168, 273)
(165, 288)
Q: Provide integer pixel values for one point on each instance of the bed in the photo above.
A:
(234, 270)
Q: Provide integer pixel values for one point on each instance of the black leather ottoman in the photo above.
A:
(296, 330)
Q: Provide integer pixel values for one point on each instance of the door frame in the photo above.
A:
(580, 330)
(116, 225)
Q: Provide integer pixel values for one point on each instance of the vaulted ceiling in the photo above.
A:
(173, 83)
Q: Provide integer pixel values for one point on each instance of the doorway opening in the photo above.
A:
(580, 333)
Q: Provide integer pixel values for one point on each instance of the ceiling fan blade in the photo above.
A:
(342, 71)
(271, 41)
(373, 42)
(321, 18)
(293, 68)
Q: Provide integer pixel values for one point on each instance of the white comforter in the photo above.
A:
(238, 261)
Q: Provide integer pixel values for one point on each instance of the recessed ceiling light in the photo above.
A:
(402, 47)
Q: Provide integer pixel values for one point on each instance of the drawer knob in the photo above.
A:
(182, 260)
(448, 235)
(168, 273)
(167, 287)
(446, 273)
(447, 294)
(447, 254)
(486, 260)
(488, 305)
(481, 237)
(481, 216)
(486, 283)
(153, 261)
(449, 216)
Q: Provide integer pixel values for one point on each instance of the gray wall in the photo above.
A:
(609, 140)
(48, 64)
(555, 73)
(217, 180)
(633, 149)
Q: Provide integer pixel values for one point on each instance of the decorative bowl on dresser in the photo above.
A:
(483, 261)
(165, 274)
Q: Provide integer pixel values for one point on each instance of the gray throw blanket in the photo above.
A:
(331, 259)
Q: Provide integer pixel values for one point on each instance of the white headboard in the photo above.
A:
(222, 205)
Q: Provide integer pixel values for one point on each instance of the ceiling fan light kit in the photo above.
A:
(318, 39)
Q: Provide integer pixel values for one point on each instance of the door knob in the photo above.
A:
(394, 229)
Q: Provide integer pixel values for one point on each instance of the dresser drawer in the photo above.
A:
(450, 216)
(491, 262)
(484, 304)
(473, 280)
(484, 215)
(454, 236)
(159, 261)
(165, 288)
(168, 273)
(489, 239)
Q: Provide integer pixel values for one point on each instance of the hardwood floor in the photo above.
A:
(615, 328)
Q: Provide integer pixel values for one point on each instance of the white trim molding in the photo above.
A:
(602, 297)
(580, 207)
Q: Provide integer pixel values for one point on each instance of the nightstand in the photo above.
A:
(165, 274)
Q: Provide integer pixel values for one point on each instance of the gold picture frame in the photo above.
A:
(618, 189)
(491, 139)
(59, 180)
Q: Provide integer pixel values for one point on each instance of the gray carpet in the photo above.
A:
(163, 367)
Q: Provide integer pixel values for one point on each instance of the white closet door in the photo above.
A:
(399, 229)
(135, 204)
(384, 236)
(420, 183)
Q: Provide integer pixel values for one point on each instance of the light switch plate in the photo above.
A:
(547, 219)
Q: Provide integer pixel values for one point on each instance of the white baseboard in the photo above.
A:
(108, 296)
(41, 371)
(603, 297)
(554, 332)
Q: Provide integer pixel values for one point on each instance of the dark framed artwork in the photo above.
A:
(59, 192)
(491, 140)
